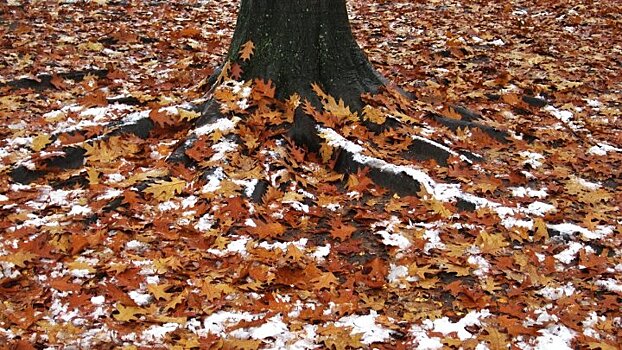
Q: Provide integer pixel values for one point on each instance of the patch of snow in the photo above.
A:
(443, 147)
(423, 341)
(98, 300)
(273, 328)
(79, 210)
(168, 205)
(433, 240)
(110, 193)
(570, 229)
(222, 148)
(218, 322)
(594, 103)
(588, 323)
(300, 244)
(532, 158)
(189, 201)
(558, 292)
(223, 125)
(321, 252)
(497, 42)
(135, 245)
(445, 326)
(483, 266)
(213, 181)
(205, 223)
(115, 178)
(556, 337)
(366, 324)
(602, 149)
(397, 272)
(141, 299)
(238, 246)
(611, 285)
(394, 239)
(569, 254)
(155, 333)
(528, 192)
(538, 208)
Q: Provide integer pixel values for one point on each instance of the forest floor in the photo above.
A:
(186, 260)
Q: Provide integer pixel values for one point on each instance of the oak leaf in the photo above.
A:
(187, 115)
(247, 50)
(491, 243)
(342, 231)
(127, 313)
(19, 258)
(163, 190)
(495, 339)
(267, 230)
(324, 281)
(241, 344)
(40, 142)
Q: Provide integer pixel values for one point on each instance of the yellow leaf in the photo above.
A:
(93, 176)
(163, 190)
(106, 151)
(496, 340)
(247, 50)
(542, 233)
(19, 258)
(491, 243)
(39, 142)
(239, 344)
(127, 313)
(374, 115)
(602, 346)
(326, 152)
(339, 109)
(187, 115)
(159, 291)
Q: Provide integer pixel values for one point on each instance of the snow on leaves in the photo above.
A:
(520, 250)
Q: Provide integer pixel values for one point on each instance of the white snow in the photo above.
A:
(483, 266)
(528, 192)
(397, 272)
(445, 326)
(423, 341)
(433, 240)
(602, 149)
(238, 246)
(569, 229)
(570, 253)
(611, 285)
(223, 125)
(79, 210)
(366, 324)
(564, 116)
(556, 337)
(532, 158)
(321, 252)
(141, 299)
(98, 300)
(135, 245)
(155, 333)
(554, 293)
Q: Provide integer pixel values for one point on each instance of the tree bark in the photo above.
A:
(300, 42)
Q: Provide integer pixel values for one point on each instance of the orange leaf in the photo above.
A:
(267, 230)
(342, 231)
(247, 50)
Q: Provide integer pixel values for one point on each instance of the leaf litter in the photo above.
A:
(326, 260)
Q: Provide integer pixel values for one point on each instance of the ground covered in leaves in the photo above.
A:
(520, 249)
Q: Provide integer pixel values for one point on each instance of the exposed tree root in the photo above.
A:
(45, 81)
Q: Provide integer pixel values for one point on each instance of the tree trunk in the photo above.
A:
(299, 42)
